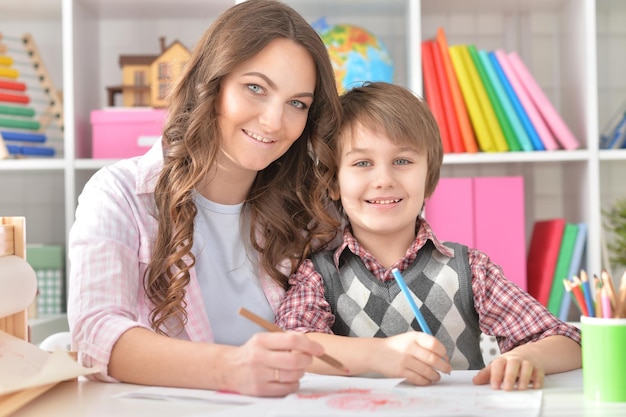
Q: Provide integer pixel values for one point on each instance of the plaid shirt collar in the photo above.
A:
(423, 234)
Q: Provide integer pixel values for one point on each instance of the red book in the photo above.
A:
(446, 100)
(543, 254)
(433, 98)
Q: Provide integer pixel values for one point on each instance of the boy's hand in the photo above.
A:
(511, 371)
(415, 356)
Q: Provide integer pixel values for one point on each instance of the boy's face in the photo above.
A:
(381, 185)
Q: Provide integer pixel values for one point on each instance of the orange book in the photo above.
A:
(433, 97)
(462, 118)
(446, 100)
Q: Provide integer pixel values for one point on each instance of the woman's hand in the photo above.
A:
(415, 356)
(511, 371)
(270, 364)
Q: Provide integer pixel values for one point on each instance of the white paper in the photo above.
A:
(23, 365)
(454, 395)
(190, 395)
(311, 383)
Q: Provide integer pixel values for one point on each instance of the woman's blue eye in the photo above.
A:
(298, 104)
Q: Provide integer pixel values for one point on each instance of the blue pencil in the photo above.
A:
(418, 315)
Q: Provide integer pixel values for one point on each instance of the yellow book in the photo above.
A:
(485, 104)
(483, 135)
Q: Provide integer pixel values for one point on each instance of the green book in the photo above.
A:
(561, 271)
(507, 130)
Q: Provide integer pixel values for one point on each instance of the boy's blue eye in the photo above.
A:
(255, 88)
(362, 164)
(402, 162)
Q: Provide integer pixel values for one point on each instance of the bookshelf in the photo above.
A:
(574, 48)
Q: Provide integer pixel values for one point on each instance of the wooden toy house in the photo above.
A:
(146, 79)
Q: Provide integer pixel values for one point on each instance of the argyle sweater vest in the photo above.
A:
(366, 307)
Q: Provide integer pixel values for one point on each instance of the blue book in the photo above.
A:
(517, 105)
(574, 268)
(618, 137)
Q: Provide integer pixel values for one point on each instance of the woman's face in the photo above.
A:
(263, 105)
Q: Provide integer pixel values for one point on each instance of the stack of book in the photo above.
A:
(488, 101)
(555, 253)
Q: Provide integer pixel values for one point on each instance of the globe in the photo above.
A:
(356, 54)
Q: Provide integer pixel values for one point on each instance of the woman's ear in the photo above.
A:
(333, 191)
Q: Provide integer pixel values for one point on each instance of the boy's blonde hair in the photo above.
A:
(398, 114)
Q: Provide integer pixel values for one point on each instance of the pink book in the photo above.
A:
(500, 229)
(562, 133)
(540, 126)
(450, 212)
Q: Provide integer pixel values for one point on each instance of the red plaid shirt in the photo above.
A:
(504, 309)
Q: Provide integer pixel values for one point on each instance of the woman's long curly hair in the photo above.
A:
(287, 203)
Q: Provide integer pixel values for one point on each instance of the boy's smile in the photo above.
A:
(382, 189)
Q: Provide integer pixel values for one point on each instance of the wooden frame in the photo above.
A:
(13, 242)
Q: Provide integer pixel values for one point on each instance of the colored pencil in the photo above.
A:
(416, 311)
(620, 308)
(271, 327)
(588, 293)
(606, 303)
(598, 292)
(607, 281)
(574, 289)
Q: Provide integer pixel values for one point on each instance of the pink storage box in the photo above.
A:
(123, 133)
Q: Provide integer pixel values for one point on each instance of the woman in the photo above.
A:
(166, 247)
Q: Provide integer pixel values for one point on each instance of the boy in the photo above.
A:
(389, 155)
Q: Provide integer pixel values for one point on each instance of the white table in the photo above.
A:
(562, 396)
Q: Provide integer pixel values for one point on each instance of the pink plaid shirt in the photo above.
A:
(110, 245)
(504, 309)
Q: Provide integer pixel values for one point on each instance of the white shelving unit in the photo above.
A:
(574, 48)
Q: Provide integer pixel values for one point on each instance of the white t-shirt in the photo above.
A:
(226, 273)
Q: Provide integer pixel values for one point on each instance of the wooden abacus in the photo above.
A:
(22, 124)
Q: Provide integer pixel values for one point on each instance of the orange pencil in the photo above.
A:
(598, 291)
(607, 281)
(271, 327)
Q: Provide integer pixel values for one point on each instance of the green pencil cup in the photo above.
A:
(604, 359)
